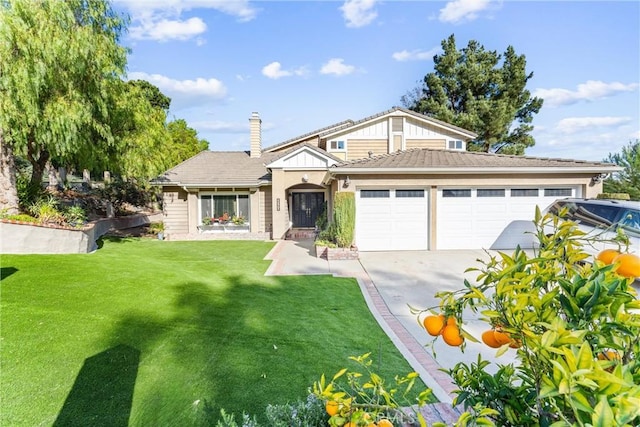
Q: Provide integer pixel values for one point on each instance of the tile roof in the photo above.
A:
(281, 154)
(335, 126)
(219, 169)
(426, 158)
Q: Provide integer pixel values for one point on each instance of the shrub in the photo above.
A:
(75, 215)
(344, 213)
(310, 413)
(364, 397)
(574, 325)
(47, 211)
(120, 193)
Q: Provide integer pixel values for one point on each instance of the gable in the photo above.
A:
(391, 131)
(303, 158)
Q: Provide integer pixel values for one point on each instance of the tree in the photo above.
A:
(627, 180)
(153, 94)
(184, 142)
(59, 60)
(469, 89)
(573, 323)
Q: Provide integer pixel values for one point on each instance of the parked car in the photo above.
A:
(599, 219)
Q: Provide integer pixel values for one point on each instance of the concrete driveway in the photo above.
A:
(412, 278)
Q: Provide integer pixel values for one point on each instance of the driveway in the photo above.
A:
(412, 278)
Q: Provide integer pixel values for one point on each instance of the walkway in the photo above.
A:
(297, 258)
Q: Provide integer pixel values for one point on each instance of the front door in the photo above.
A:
(306, 208)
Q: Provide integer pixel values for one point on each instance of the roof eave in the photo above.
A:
(474, 170)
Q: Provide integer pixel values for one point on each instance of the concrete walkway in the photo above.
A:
(297, 258)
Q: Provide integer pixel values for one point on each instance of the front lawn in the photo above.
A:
(145, 332)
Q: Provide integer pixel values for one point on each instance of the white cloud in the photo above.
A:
(241, 9)
(164, 29)
(415, 55)
(184, 90)
(571, 125)
(462, 10)
(589, 91)
(274, 71)
(358, 13)
(337, 67)
(162, 19)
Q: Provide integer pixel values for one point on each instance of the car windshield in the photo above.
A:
(600, 216)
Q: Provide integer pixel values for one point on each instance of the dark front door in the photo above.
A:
(306, 208)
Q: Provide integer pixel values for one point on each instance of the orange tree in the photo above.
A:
(574, 323)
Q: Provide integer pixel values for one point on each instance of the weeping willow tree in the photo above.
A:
(59, 61)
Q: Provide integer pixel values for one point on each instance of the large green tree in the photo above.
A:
(184, 141)
(627, 180)
(481, 91)
(59, 61)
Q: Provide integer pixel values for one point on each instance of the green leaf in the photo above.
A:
(602, 414)
(340, 373)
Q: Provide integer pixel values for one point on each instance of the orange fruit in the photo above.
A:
(607, 256)
(332, 407)
(434, 324)
(451, 335)
(452, 321)
(501, 338)
(385, 423)
(628, 265)
(489, 339)
(515, 344)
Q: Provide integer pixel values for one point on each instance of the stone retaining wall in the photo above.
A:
(28, 238)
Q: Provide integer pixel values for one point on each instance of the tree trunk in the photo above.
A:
(8, 189)
(38, 165)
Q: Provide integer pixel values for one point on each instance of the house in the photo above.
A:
(416, 187)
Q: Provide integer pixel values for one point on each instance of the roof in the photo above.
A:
(281, 154)
(340, 125)
(421, 160)
(219, 169)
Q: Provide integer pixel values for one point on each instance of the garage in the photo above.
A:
(392, 219)
(472, 218)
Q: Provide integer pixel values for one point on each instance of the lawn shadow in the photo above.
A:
(102, 394)
(7, 271)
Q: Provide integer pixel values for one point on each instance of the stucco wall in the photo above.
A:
(25, 238)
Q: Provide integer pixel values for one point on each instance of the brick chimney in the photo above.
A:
(255, 135)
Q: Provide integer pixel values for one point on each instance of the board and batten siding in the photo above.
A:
(439, 144)
(176, 210)
(359, 148)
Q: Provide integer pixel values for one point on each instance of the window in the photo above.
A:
(396, 124)
(409, 193)
(524, 192)
(490, 192)
(374, 194)
(558, 192)
(455, 144)
(337, 145)
(216, 206)
(456, 193)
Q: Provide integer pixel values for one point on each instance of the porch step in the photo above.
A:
(301, 234)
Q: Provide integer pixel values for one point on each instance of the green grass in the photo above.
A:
(144, 332)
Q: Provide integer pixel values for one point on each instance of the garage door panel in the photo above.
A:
(475, 222)
(391, 223)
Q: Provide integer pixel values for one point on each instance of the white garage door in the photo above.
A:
(391, 219)
(472, 218)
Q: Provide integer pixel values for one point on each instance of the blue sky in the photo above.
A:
(304, 65)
